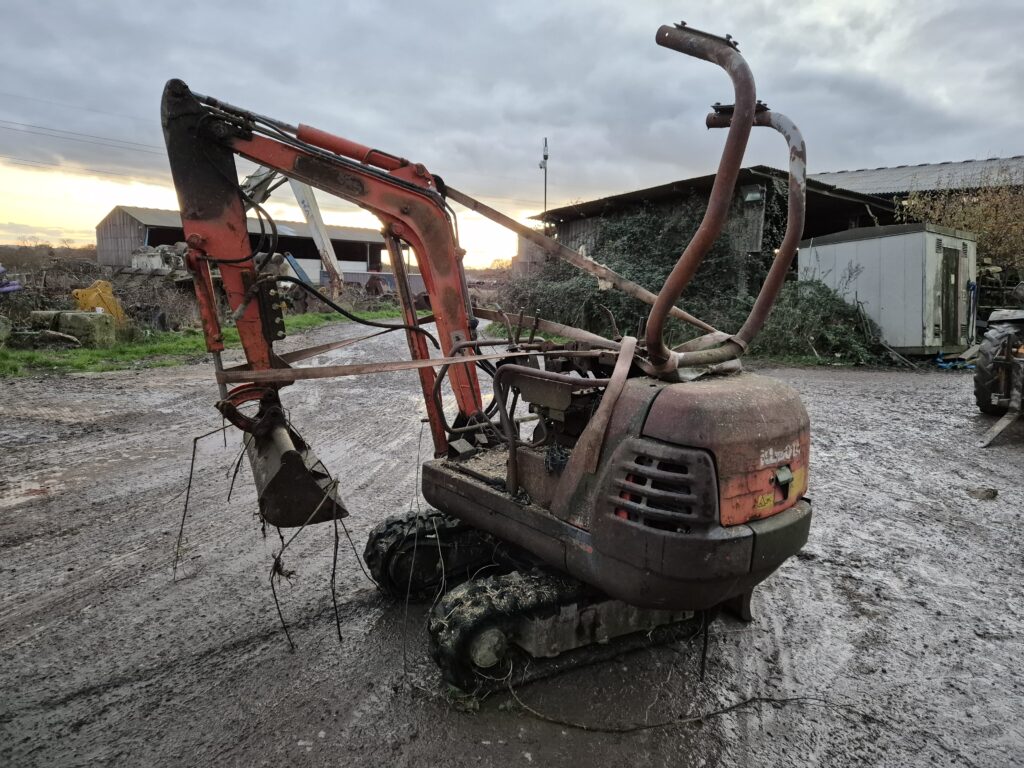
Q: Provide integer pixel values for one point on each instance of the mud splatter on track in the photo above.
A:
(900, 625)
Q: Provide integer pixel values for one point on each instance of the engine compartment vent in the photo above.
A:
(664, 486)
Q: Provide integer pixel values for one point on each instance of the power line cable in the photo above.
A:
(76, 133)
(108, 145)
(70, 168)
(81, 169)
(115, 143)
(77, 107)
(80, 108)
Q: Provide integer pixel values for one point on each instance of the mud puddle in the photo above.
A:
(894, 639)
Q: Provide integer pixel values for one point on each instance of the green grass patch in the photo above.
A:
(155, 349)
(499, 331)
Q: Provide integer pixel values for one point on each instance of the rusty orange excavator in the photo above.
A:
(654, 484)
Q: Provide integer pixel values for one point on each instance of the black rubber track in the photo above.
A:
(497, 602)
(437, 543)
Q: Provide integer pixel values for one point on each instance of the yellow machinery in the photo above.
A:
(99, 296)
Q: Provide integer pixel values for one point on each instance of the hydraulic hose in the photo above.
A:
(355, 318)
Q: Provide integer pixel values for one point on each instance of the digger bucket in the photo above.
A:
(293, 486)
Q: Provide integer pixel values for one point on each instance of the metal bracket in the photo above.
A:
(266, 295)
(727, 109)
(728, 39)
(783, 477)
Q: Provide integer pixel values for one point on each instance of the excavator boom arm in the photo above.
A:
(202, 140)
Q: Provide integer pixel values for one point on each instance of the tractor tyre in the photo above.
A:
(985, 381)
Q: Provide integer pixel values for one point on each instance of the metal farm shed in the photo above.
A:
(126, 228)
(899, 181)
(914, 280)
(829, 209)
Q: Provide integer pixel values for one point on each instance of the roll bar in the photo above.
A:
(747, 112)
(723, 52)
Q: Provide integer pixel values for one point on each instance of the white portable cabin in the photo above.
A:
(913, 280)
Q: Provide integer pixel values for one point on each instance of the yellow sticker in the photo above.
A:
(764, 501)
(799, 484)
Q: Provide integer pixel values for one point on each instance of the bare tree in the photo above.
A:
(989, 204)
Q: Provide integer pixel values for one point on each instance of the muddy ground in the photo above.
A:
(894, 639)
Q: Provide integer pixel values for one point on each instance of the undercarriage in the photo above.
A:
(499, 617)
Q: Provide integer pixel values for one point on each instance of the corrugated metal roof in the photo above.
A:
(673, 189)
(156, 217)
(925, 177)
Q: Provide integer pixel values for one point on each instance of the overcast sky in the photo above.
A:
(471, 88)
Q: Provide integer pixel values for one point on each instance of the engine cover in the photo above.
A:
(755, 428)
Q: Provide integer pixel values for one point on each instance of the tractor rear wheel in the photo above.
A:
(986, 381)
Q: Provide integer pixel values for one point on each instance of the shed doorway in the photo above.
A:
(950, 296)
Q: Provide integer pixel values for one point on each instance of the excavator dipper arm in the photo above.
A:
(203, 136)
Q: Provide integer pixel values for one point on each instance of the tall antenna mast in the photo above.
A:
(544, 166)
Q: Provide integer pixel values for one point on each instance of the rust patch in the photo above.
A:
(322, 174)
(430, 224)
(451, 302)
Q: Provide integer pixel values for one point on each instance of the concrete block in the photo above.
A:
(43, 319)
(93, 329)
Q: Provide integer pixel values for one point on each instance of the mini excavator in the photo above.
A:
(655, 485)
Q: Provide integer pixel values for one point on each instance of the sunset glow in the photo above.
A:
(41, 205)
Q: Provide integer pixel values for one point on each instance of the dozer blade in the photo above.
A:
(1014, 411)
(293, 486)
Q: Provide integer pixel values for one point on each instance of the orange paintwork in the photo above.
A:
(754, 495)
(752, 425)
(227, 239)
(416, 217)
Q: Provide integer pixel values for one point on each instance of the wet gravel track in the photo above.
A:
(894, 639)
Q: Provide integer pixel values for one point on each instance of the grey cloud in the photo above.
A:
(470, 88)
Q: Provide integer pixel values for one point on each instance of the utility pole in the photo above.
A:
(544, 166)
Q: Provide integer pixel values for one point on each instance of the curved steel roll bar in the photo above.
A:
(736, 345)
(723, 52)
(746, 113)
